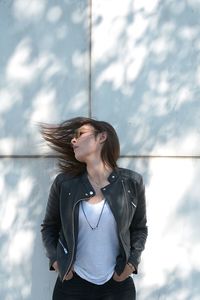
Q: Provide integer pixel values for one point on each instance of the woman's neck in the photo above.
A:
(98, 173)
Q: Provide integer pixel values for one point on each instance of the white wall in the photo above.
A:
(145, 80)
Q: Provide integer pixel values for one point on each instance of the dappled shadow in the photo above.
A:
(145, 81)
(170, 266)
(146, 77)
(23, 268)
(175, 287)
(146, 73)
(44, 77)
(44, 68)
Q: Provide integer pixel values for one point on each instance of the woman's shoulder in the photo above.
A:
(130, 174)
(63, 177)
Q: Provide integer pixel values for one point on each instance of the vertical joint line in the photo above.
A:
(90, 61)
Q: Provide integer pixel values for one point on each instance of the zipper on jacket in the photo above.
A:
(124, 191)
(125, 194)
(121, 242)
(121, 239)
(133, 204)
(73, 238)
(65, 250)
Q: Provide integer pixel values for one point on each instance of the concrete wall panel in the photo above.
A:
(170, 263)
(24, 188)
(146, 76)
(145, 81)
(44, 68)
(170, 267)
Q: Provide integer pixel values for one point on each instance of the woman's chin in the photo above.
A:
(79, 158)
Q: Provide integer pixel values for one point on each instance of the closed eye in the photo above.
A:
(78, 134)
(81, 133)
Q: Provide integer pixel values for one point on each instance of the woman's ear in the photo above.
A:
(103, 137)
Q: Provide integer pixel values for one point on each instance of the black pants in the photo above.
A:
(80, 289)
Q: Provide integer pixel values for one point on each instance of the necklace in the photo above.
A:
(94, 182)
(97, 225)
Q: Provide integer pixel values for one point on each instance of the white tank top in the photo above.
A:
(96, 249)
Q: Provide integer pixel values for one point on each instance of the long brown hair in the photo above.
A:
(59, 139)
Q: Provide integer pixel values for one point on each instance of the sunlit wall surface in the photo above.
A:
(142, 73)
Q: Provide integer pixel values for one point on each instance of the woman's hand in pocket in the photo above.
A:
(55, 265)
(125, 274)
(69, 275)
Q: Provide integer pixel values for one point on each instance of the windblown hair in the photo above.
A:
(59, 139)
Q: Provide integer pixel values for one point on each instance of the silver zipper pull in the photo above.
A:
(133, 204)
(65, 250)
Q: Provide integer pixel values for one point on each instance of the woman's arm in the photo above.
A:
(51, 224)
(138, 228)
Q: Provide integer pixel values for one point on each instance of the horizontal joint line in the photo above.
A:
(122, 156)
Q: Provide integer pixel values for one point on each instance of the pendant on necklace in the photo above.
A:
(95, 228)
(97, 225)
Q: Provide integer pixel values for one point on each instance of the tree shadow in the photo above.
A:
(148, 76)
(44, 68)
(170, 266)
(44, 78)
(25, 273)
(145, 81)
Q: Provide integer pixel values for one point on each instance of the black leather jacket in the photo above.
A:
(126, 197)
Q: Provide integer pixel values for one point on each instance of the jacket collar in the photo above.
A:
(111, 178)
(88, 188)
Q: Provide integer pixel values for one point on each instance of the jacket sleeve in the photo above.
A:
(51, 224)
(138, 228)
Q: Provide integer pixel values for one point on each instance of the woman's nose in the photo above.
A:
(73, 140)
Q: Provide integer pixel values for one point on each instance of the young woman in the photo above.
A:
(95, 228)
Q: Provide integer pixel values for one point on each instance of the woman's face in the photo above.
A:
(87, 143)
